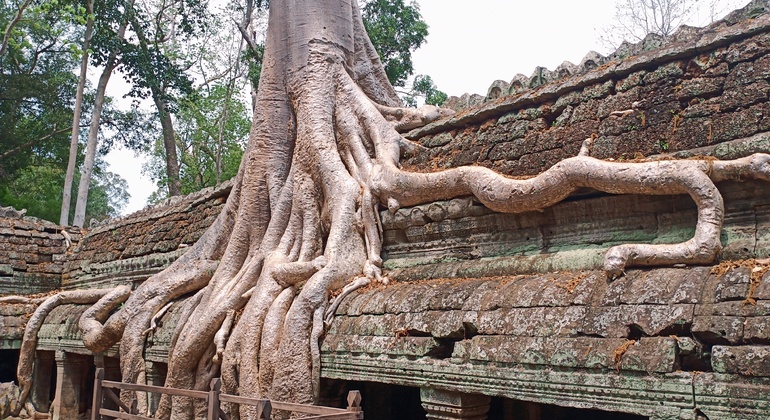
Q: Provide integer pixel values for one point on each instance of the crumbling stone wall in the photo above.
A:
(660, 343)
(32, 256)
(708, 87)
(32, 253)
(130, 249)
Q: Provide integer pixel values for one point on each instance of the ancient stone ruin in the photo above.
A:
(493, 315)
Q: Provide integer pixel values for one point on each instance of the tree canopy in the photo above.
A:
(37, 87)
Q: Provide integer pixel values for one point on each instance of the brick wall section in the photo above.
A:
(708, 88)
(653, 331)
(32, 253)
(132, 248)
(13, 319)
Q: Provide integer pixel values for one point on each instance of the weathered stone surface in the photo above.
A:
(9, 399)
(718, 329)
(743, 360)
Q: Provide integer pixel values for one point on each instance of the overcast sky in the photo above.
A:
(470, 45)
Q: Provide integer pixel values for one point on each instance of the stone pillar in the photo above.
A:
(155, 374)
(447, 405)
(40, 394)
(70, 369)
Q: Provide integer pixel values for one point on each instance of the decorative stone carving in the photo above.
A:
(447, 405)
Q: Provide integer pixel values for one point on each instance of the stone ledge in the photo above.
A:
(709, 40)
(666, 396)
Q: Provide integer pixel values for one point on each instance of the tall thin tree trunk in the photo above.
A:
(169, 142)
(93, 131)
(68, 179)
(93, 138)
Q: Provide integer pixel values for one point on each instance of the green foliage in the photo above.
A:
(423, 86)
(396, 29)
(200, 142)
(37, 90)
(38, 189)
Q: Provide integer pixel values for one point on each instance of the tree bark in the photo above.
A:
(93, 139)
(93, 131)
(169, 143)
(74, 140)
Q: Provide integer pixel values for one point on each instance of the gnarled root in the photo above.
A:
(29, 342)
(349, 288)
(405, 119)
(517, 196)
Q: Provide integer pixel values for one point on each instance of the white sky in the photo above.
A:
(470, 45)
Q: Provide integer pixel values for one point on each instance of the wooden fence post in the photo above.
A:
(354, 403)
(96, 406)
(216, 386)
(264, 410)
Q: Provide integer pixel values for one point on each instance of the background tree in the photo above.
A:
(634, 19)
(37, 87)
(75, 137)
(212, 130)
(396, 29)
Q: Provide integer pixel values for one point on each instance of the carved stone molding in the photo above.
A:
(446, 405)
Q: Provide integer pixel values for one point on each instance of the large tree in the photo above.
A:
(302, 218)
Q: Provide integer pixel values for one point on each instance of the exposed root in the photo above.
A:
(155, 318)
(220, 338)
(29, 342)
(23, 300)
(405, 119)
(349, 288)
(302, 218)
(316, 334)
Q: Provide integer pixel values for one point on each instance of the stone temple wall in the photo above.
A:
(705, 88)
(32, 257)
(32, 253)
(130, 249)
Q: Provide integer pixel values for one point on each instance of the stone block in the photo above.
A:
(616, 322)
(757, 330)
(742, 360)
(651, 354)
(718, 329)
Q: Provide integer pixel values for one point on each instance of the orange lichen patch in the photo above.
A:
(572, 284)
(617, 355)
(401, 332)
(757, 269)
(677, 119)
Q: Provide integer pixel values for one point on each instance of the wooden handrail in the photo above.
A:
(213, 399)
(159, 389)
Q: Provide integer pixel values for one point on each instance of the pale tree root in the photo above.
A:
(349, 288)
(21, 300)
(107, 297)
(693, 177)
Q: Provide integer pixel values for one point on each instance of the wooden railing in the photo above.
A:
(104, 389)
